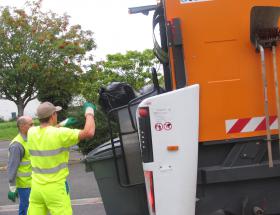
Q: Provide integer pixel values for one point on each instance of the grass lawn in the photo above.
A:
(8, 130)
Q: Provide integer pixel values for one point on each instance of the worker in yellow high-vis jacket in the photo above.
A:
(49, 155)
(19, 167)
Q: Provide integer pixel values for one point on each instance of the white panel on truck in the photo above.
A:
(168, 132)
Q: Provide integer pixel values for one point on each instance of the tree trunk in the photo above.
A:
(20, 107)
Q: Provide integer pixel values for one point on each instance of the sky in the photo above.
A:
(114, 29)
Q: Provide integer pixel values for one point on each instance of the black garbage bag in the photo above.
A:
(116, 94)
(149, 88)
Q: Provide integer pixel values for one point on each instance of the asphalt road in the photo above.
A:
(83, 187)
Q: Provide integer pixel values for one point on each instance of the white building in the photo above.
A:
(7, 108)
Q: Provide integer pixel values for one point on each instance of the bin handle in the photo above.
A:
(130, 103)
(125, 185)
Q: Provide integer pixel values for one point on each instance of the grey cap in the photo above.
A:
(46, 109)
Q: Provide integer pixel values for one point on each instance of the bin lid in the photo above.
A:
(104, 151)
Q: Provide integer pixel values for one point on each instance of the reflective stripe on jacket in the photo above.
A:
(23, 178)
(49, 152)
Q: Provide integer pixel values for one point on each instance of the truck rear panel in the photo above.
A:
(219, 55)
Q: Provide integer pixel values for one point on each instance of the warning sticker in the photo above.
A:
(192, 1)
(158, 126)
(162, 115)
(163, 126)
(167, 126)
(163, 119)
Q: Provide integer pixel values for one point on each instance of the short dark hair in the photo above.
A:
(45, 120)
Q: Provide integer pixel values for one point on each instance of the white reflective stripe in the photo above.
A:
(27, 174)
(43, 153)
(50, 170)
(230, 124)
(252, 124)
(25, 163)
(274, 125)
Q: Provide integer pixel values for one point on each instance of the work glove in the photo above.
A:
(68, 122)
(13, 193)
(89, 108)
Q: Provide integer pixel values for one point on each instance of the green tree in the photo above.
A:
(40, 52)
(133, 67)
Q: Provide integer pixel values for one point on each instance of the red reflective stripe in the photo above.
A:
(262, 125)
(239, 125)
(150, 186)
(272, 119)
(152, 193)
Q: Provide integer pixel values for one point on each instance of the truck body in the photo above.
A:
(217, 44)
(218, 55)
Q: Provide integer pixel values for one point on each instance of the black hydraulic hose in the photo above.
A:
(159, 52)
(155, 80)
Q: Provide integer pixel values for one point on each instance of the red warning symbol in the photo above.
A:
(168, 126)
(158, 126)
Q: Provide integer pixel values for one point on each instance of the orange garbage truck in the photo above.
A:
(229, 48)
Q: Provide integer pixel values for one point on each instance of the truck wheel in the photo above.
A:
(258, 211)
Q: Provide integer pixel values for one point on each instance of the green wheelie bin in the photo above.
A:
(117, 199)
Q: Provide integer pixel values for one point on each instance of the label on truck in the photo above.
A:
(192, 1)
